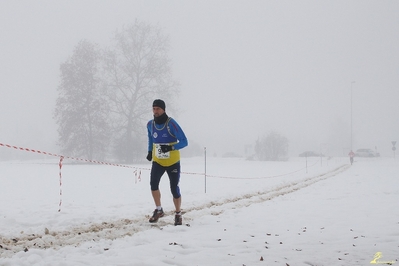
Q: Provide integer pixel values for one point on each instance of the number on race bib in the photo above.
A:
(159, 154)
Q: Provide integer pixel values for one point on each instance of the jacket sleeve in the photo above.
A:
(150, 141)
(179, 134)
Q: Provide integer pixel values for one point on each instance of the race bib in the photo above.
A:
(159, 154)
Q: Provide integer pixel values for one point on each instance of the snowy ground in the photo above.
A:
(253, 213)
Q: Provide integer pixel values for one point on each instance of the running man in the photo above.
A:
(165, 139)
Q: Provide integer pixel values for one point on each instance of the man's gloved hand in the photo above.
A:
(149, 156)
(166, 148)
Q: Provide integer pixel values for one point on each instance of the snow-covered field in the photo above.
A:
(252, 213)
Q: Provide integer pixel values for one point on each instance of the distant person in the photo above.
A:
(165, 139)
(351, 155)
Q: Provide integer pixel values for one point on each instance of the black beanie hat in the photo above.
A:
(159, 103)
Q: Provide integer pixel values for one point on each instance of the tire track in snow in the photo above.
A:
(261, 196)
(111, 230)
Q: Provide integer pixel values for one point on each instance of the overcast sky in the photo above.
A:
(245, 67)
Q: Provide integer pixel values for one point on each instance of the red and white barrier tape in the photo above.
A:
(136, 172)
(68, 157)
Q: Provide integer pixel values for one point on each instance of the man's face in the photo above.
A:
(158, 111)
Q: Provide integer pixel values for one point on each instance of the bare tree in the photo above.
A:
(81, 109)
(137, 70)
(272, 147)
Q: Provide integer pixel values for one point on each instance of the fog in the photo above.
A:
(245, 68)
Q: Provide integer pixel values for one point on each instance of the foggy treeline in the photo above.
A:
(271, 147)
(105, 94)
